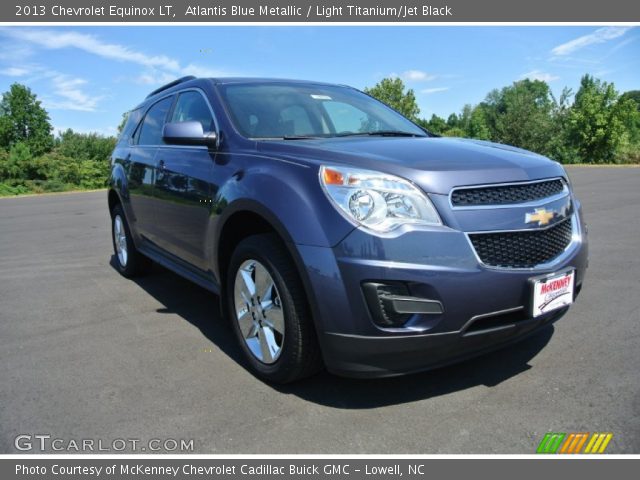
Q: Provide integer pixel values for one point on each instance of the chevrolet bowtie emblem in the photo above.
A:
(541, 215)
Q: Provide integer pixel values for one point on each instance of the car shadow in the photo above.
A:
(489, 370)
(201, 308)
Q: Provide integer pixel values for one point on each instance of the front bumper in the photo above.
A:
(438, 264)
(370, 357)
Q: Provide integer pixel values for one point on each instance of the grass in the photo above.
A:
(4, 193)
(603, 165)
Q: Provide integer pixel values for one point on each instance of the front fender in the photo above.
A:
(289, 196)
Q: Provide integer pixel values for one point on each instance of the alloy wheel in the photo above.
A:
(259, 312)
(120, 240)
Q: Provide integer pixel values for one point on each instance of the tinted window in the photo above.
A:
(192, 107)
(295, 121)
(275, 110)
(151, 129)
(345, 117)
(132, 119)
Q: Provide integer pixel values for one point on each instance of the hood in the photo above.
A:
(436, 164)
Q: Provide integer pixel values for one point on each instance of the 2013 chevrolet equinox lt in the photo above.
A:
(339, 233)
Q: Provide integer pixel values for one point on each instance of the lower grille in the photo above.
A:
(524, 249)
(492, 322)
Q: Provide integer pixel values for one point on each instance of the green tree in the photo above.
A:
(392, 92)
(560, 147)
(473, 122)
(520, 115)
(634, 123)
(437, 125)
(85, 146)
(13, 165)
(453, 121)
(478, 127)
(599, 120)
(633, 95)
(21, 166)
(23, 119)
(455, 132)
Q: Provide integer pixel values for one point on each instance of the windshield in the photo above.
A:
(290, 111)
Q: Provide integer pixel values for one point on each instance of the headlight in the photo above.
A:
(566, 176)
(377, 200)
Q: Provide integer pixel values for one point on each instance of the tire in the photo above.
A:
(272, 322)
(129, 261)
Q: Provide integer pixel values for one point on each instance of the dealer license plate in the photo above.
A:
(552, 292)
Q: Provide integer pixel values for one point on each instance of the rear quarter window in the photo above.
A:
(130, 124)
(153, 123)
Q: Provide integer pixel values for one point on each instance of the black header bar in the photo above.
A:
(319, 11)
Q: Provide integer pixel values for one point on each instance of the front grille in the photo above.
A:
(524, 249)
(506, 194)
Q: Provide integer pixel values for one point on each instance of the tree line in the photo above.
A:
(34, 160)
(597, 125)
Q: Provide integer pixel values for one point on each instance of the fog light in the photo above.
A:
(391, 304)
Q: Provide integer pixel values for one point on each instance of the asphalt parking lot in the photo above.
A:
(87, 354)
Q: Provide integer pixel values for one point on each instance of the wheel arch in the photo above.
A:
(118, 182)
(239, 220)
(118, 194)
(113, 199)
(244, 218)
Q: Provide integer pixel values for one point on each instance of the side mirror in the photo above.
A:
(188, 133)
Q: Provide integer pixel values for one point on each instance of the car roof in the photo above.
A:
(190, 81)
(249, 80)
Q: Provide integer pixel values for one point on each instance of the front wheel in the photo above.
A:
(269, 311)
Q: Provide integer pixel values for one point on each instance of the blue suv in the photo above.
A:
(338, 233)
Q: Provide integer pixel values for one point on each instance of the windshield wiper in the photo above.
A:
(380, 133)
(375, 133)
(287, 137)
(393, 133)
(298, 137)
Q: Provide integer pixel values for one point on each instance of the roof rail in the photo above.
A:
(172, 84)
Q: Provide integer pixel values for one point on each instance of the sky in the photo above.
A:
(86, 77)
